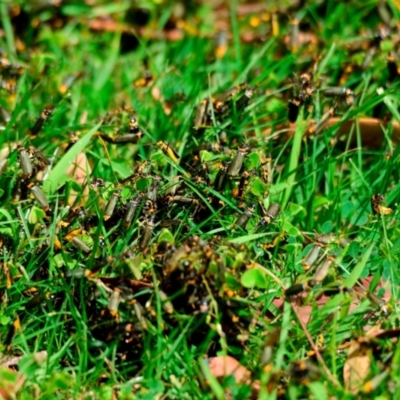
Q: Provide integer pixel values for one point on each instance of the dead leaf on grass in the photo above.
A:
(305, 310)
(10, 383)
(79, 170)
(358, 363)
(223, 366)
(371, 131)
(356, 367)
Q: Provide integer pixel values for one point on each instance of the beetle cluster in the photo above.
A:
(172, 236)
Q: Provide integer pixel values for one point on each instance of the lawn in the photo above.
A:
(199, 199)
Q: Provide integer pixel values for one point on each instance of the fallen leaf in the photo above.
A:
(10, 383)
(357, 366)
(372, 134)
(304, 311)
(12, 361)
(223, 366)
(79, 170)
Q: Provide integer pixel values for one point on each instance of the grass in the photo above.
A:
(202, 286)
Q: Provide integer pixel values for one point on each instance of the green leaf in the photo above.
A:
(107, 69)
(253, 161)
(294, 209)
(75, 185)
(76, 9)
(143, 184)
(320, 202)
(327, 227)
(254, 277)
(358, 219)
(159, 158)
(4, 320)
(301, 126)
(247, 238)
(258, 187)
(318, 389)
(350, 281)
(6, 214)
(290, 229)
(6, 231)
(293, 248)
(206, 156)
(57, 176)
(58, 260)
(278, 188)
(231, 282)
(166, 236)
(347, 209)
(7, 27)
(386, 46)
(345, 306)
(331, 305)
(35, 215)
(216, 388)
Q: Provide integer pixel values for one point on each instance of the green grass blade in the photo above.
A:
(355, 274)
(301, 127)
(58, 176)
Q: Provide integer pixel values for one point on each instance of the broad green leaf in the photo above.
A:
(4, 320)
(327, 227)
(318, 389)
(247, 238)
(347, 209)
(253, 161)
(290, 229)
(278, 188)
(57, 176)
(35, 215)
(331, 305)
(254, 277)
(355, 274)
(386, 45)
(206, 156)
(293, 248)
(143, 184)
(301, 126)
(6, 231)
(159, 158)
(319, 202)
(58, 260)
(358, 219)
(296, 209)
(166, 236)
(258, 187)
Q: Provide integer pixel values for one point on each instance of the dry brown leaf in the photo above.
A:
(304, 311)
(80, 171)
(223, 366)
(357, 367)
(12, 361)
(10, 383)
(105, 23)
(372, 135)
(226, 365)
